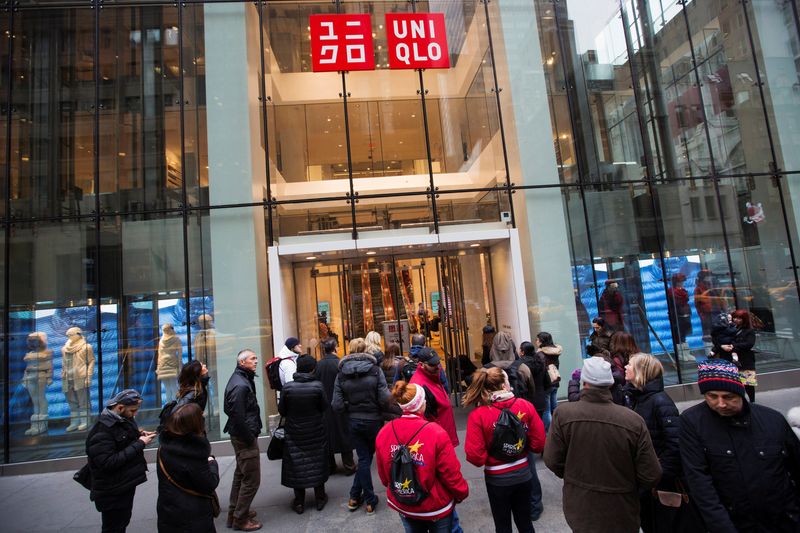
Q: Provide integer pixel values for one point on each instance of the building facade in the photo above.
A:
(181, 164)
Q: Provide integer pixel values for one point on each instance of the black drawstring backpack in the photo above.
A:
(510, 439)
(403, 481)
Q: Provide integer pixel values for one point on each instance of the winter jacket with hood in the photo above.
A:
(185, 458)
(663, 422)
(604, 454)
(503, 354)
(305, 448)
(360, 388)
(116, 457)
(743, 471)
(241, 406)
(288, 365)
(444, 413)
(480, 431)
(438, 469)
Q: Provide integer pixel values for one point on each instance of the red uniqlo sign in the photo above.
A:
(417, 40)
(341, 42)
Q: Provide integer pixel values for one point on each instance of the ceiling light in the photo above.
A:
(371, 252)
(311, 257)
(474, 245)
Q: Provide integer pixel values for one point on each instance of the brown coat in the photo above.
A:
(604, 454)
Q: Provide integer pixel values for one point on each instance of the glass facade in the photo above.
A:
(157, 159)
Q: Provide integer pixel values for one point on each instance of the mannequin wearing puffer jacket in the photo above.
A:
(644, 393)
(185, 464)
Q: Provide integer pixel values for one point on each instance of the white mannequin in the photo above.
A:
(77, 369)
(205, 351)
(170, 353)
(205, 342)
(38, 376)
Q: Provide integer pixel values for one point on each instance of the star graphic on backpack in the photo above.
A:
(518, 445)
(414, 448)
(520, 415)
(406, 484)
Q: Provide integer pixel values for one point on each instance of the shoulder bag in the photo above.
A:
(215, 509)
(553, 373)
(275, 447)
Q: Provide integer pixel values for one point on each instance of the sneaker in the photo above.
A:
(353, 504)
(247, 525)
(371, 507)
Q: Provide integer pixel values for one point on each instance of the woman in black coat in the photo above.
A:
(305, 450)
(541, 379)
(188, 474)
(644, 393)
(740, 351)
(337, 425)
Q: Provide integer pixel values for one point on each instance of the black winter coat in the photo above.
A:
(200, 398)
(337, 424)
(541, 381)
(743, 472)
(305, 448)
(241, 406)
(360, 388)
(116, 458)
(186, 461)
(663, 422)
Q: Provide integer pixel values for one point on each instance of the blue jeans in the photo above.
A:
(547, 416)
(536, 489)
(442, 525)
(456, 527)
(363, 433)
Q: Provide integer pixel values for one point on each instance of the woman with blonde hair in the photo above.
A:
(357, 345)
(436, 467)
(506, 469)
(644, 393)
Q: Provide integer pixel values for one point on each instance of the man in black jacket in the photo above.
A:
(244, 426)
(741, 460)
(115, 448)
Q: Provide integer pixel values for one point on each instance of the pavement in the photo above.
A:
(54, 502)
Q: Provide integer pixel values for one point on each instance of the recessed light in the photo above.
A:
(371, 252)
(311, 257)
(474, 245)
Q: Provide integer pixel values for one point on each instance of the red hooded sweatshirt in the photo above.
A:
(480, 430)
(438, 469)
(444, 416)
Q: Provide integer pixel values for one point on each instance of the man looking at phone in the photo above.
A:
(115, 448)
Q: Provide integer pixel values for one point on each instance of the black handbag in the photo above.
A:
(275, 448)
(84, 476)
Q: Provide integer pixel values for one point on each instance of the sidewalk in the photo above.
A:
(54, 502)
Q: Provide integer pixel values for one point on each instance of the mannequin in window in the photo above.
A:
(205, 341)
(77, 369)
(38, 376)
(170, 352)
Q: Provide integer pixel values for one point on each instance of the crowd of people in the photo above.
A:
(628, 459)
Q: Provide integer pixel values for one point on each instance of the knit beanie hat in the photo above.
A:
(306, 364)
(291, 342)
(721, 375)
(597, 371)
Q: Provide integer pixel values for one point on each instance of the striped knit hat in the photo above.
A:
(719, 375)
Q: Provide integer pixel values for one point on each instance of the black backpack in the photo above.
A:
(273, 368)
(510, 438)
(409, 368)
(403, 482)
(165, 413)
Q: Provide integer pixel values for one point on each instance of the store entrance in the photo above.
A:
(447, 296)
